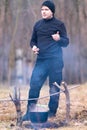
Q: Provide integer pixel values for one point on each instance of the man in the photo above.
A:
(48, 37)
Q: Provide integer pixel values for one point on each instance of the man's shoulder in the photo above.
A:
(38, 22)
(58, 21)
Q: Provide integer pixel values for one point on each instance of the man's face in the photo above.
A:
(46, 12)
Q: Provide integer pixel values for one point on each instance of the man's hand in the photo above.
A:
(35, 50)
(56, 36)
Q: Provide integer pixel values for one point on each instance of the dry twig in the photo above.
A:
(16, 100)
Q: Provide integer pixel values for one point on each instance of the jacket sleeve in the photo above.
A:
(64, 40)
(33, 40)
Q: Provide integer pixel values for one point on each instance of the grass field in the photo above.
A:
(78, 109)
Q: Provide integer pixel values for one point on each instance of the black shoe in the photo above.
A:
(51, 114)
(26, 117)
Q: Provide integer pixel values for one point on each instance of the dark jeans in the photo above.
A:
(46, 68)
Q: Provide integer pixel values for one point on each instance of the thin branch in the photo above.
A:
(76, 86)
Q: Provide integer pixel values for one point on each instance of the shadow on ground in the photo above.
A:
(48, 124)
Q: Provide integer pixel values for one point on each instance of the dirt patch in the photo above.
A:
(78, 110)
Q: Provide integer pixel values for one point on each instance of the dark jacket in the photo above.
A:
(41, 37)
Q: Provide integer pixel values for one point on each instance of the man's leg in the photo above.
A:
(54, 100)
(38, 77)
(55, 75)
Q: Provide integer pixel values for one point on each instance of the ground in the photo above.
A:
(78, 109)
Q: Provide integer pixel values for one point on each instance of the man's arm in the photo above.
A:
(64, 40)
(61, 36)
(33, 42)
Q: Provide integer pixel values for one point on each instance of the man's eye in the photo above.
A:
(46, 9)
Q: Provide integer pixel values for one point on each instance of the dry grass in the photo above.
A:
(78, 114)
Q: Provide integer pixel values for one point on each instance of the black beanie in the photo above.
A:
(50, 5)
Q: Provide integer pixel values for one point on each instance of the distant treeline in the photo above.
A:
(17, 18)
